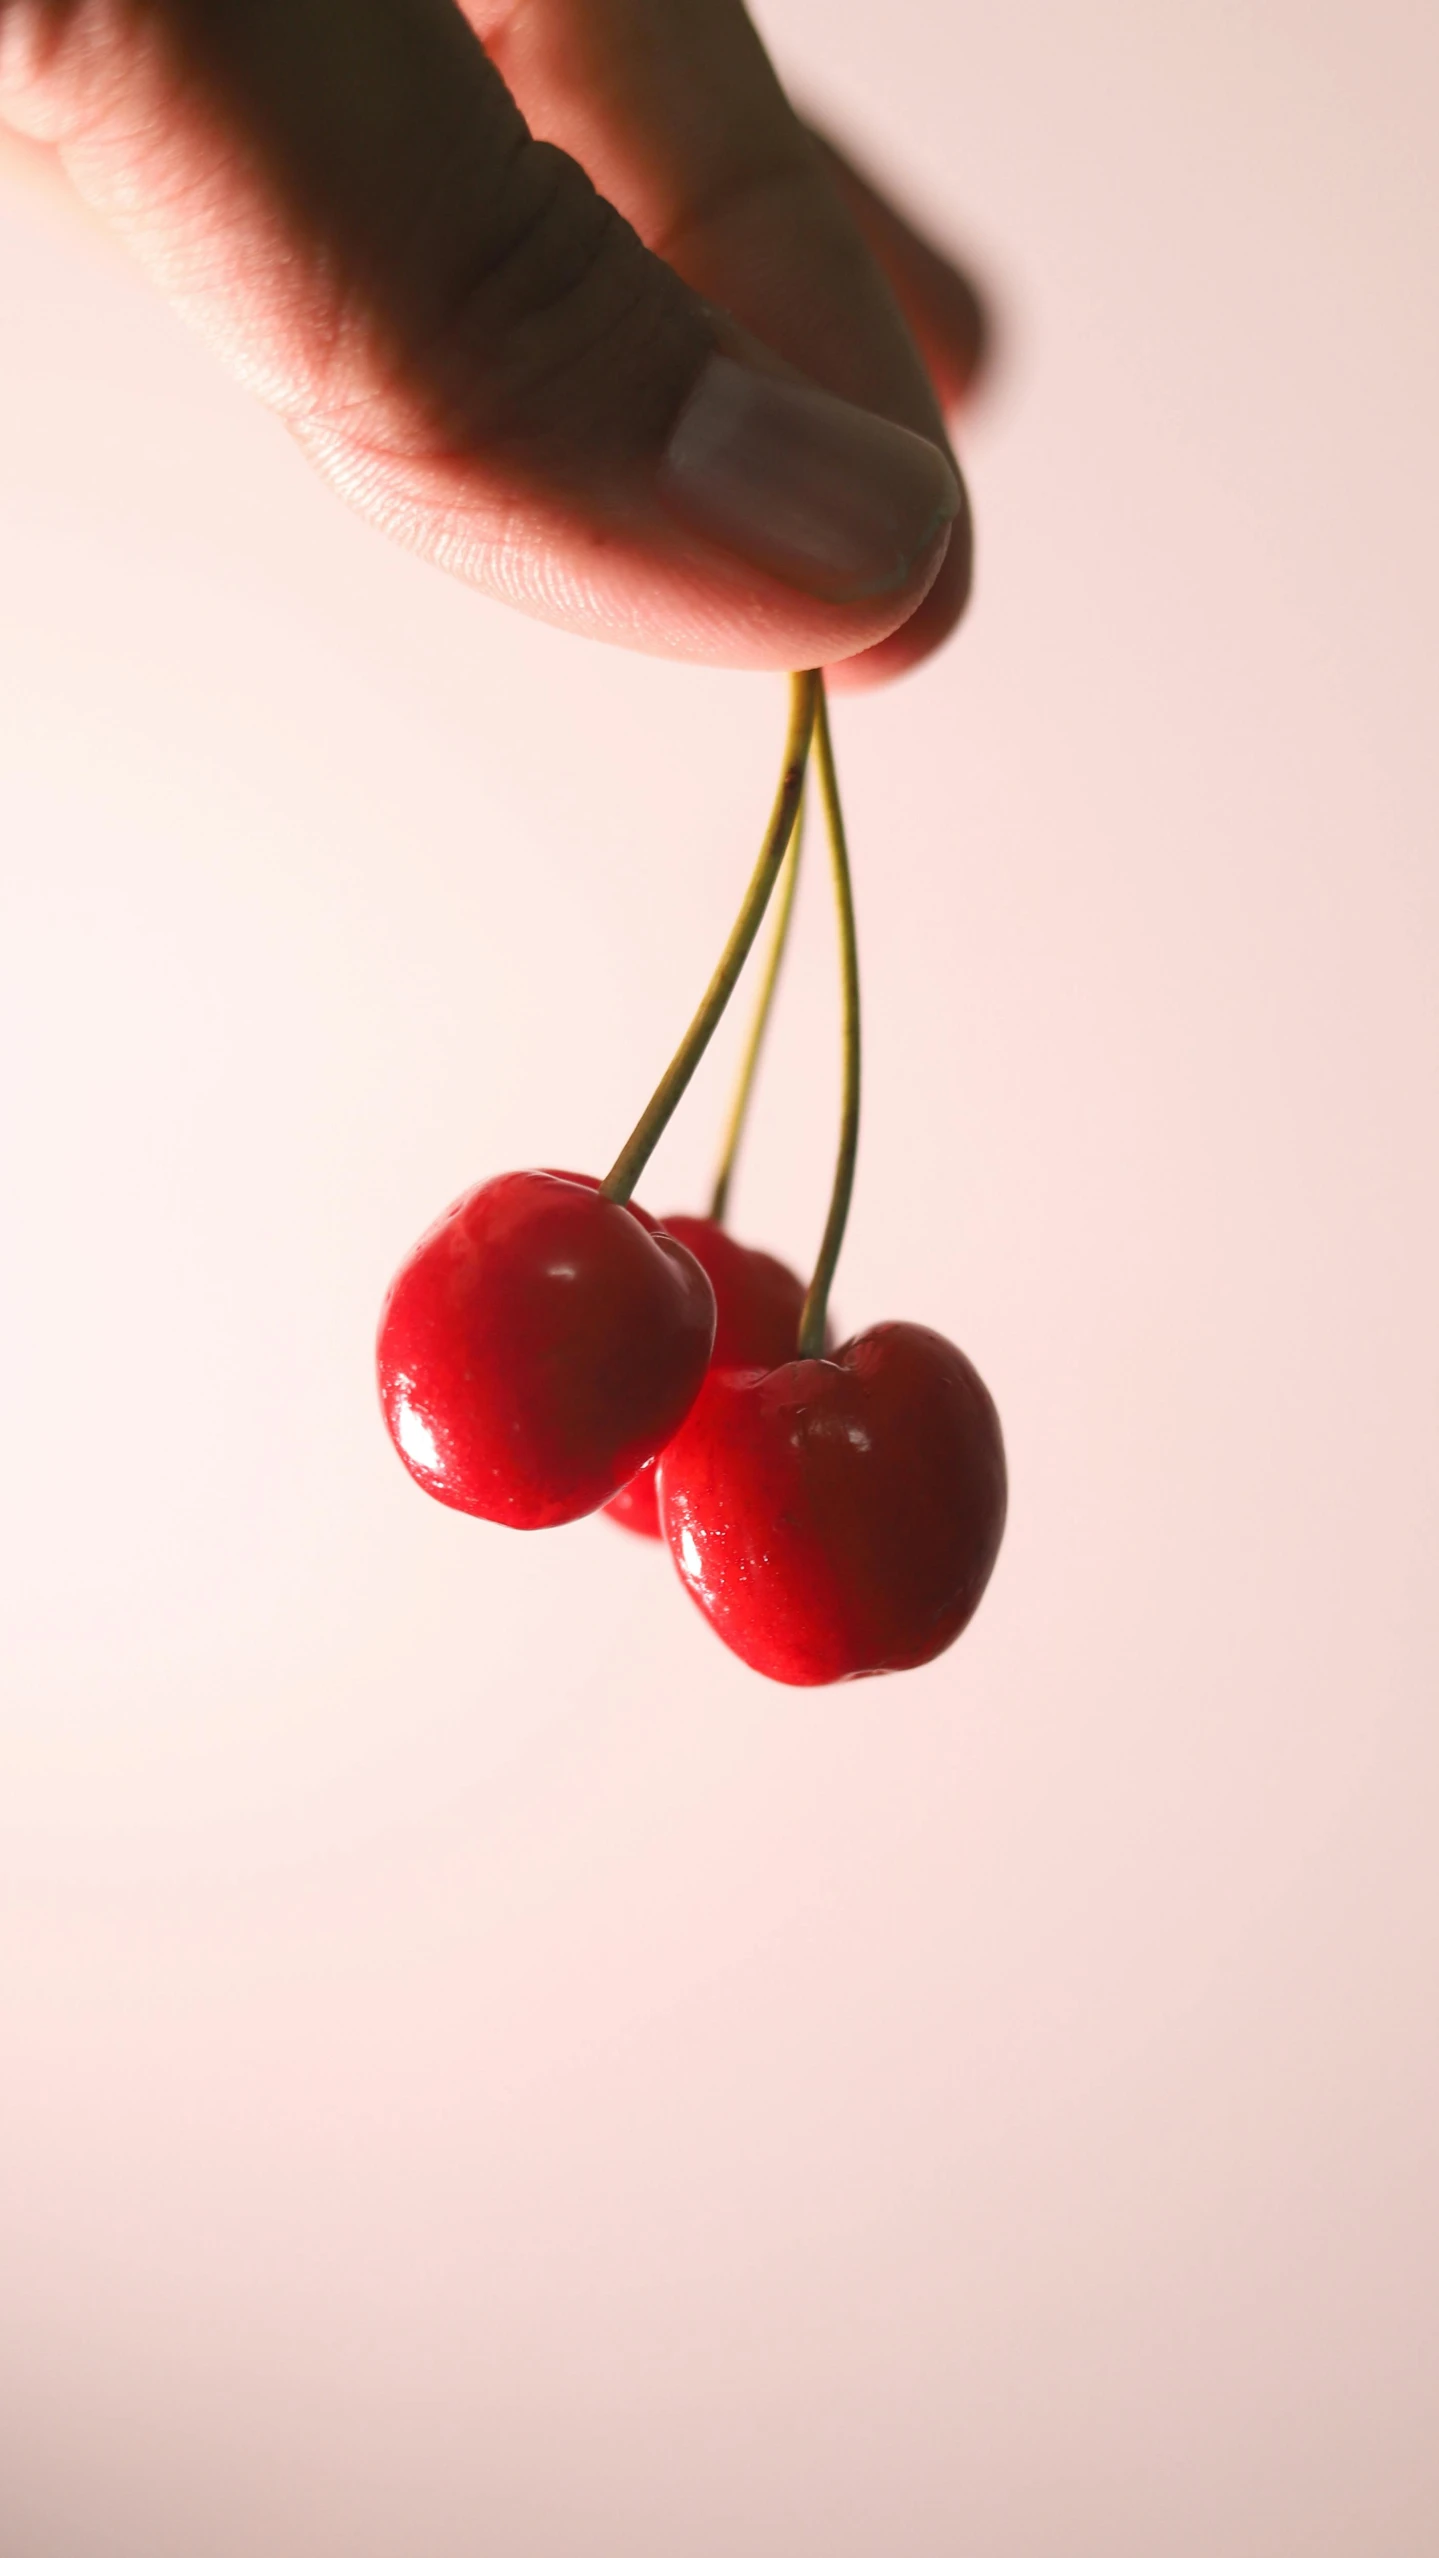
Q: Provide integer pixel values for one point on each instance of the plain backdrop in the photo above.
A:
(481, 2072)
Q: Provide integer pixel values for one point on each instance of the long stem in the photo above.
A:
(619, 1181)
(759, 1024)
(816, 1304)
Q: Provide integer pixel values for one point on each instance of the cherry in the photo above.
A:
(757, 1310)
(546, 1338)
(834, 1518)
(541, 1343)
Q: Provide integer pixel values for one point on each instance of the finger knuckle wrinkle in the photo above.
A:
(547, 324)
(536, 287)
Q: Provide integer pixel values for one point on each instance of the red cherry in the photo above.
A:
(539, 1345)
(837, 1517)
(758, 1303)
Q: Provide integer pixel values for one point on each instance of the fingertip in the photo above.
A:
(843, 504)
(931, 623)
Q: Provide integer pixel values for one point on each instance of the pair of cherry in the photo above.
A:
(549, 1349)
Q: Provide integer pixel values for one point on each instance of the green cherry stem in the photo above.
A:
(816, 1304)
(805, 699)
(759, 1024)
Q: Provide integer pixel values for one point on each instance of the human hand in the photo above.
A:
(635, 376)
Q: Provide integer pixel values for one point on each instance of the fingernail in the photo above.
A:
(822, 494)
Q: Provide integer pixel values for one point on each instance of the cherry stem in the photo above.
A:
(806, 698)
(816, 1304)
(759, 1024)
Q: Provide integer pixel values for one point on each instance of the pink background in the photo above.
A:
(481, 2072)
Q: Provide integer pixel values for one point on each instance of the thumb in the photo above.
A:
(466, 338)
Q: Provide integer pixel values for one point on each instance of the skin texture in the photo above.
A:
(758, 1302)
(834, 1518)
(538, 1346)
(478, 258)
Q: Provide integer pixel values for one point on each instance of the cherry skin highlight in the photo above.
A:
(834, 1518)
(758, 1304)
(539, 1345)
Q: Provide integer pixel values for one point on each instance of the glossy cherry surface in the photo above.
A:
(834, 1518)
(758, 1303)
(540, 1343)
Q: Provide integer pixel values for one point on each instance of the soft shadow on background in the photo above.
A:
(479, 2071)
